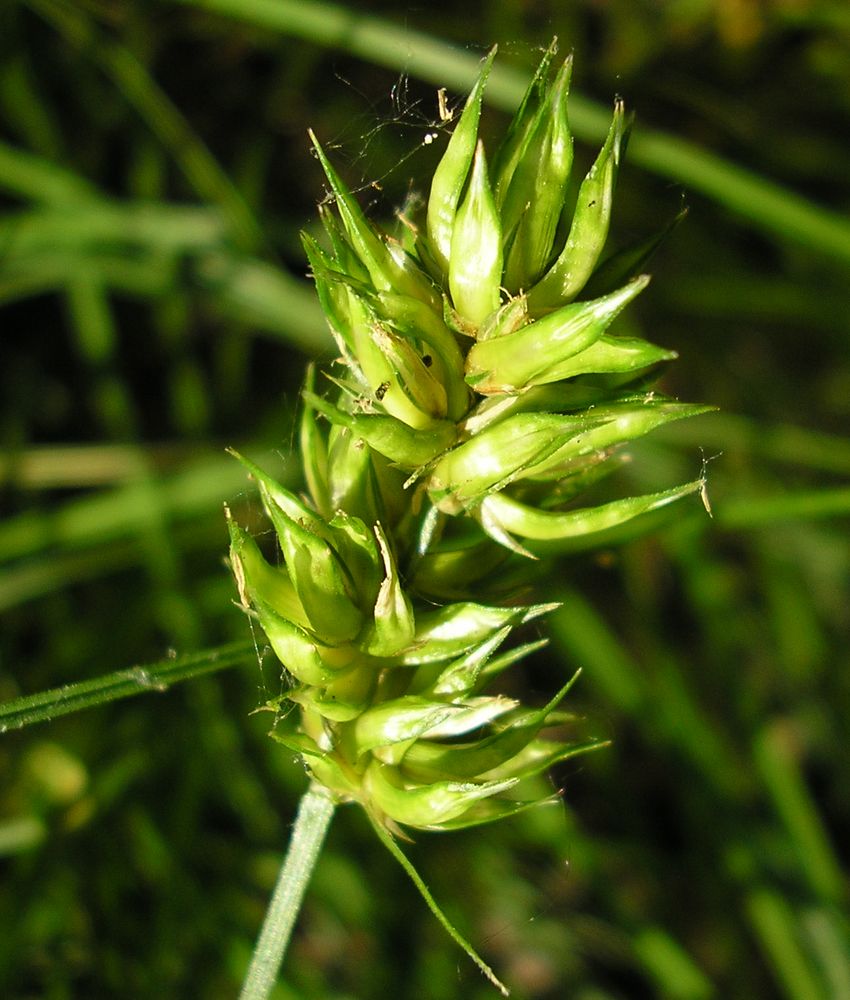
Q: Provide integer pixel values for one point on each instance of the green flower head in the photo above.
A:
(479, 390)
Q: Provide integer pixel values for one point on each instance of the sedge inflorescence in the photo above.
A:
(477, 394)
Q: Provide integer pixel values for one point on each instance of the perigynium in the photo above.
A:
(478, 393)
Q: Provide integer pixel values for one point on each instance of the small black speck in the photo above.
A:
(381, 391)
(427, 360)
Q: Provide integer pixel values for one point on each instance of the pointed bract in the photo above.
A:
(589, 229)
(452, 171)
(475, 263)
(535, 354)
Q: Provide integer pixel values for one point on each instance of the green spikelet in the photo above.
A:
(478, 394)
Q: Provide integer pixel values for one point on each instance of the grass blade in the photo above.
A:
(30, 176)
(49, 705)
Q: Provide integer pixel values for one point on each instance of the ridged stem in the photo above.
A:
(308, 834)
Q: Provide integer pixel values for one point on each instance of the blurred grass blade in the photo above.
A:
(585, 639)
(829, 934)
(677, 975)
(141, 248)
(84, 465)
(49, 705)
(776, 927)
(164, 119)
(742, 513)
(251, 291)
(88, 537)
(780, 771)
(783, 444)
(769, 205)
(662, 703)
(31, 176)
(97, 224)
(115, 514)
(144, 276)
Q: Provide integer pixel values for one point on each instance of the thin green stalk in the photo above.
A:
(48, 705)
(308, 834)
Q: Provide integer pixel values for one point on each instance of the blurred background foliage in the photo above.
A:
(154, 175)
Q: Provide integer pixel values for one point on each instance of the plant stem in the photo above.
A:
(48, 705)
(308, 833)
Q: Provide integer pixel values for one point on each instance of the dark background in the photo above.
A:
(154, 176)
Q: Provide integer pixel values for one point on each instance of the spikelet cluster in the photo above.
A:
(478, 393)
